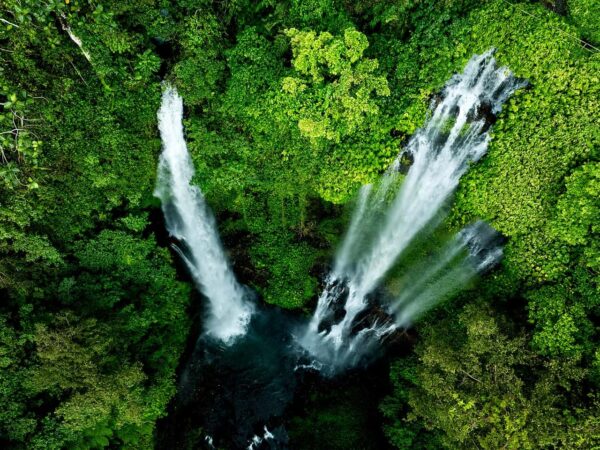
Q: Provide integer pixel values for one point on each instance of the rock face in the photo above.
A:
(375, 314)
(435, 99)
(485, 113)
(557, 6)
(406, 160)
(320, 270)
(368, 318)
(336, 312)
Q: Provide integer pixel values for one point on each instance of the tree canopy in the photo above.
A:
(291, 106)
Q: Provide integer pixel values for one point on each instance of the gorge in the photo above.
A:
(266, 351)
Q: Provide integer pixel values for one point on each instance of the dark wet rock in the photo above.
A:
(378, 296)
(486, 114)
(400, 338)
(435, 99)
(406, 160)
(374, 313)
(557, 6)
(236, 245)
(400, 137)
(454, 111)
(369, 317)
(320, 270)
(326, 324)
(339, 289)
(336, 312)
(395, 133)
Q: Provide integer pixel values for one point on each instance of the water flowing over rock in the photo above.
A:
(191, 222)
(475, 249)
(390, 216)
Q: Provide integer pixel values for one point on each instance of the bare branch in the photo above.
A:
(470, 376)
(9, 23)
(65, 26)
(78, 73)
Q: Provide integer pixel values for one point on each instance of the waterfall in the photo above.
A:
(390, 216)
(449, 273)
(191, 222)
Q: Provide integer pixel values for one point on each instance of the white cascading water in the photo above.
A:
(190, 221)
(387, 219)
(475, 249)
(257, 440)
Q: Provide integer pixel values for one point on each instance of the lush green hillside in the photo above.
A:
(290, 107)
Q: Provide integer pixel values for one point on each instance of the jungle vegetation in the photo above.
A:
(290, 106)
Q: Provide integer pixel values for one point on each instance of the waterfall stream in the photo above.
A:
(388, 219)
(191, 222)
(239, 392)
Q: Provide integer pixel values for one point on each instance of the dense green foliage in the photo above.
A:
(290, 107)
(92, 318)
(476, 387)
